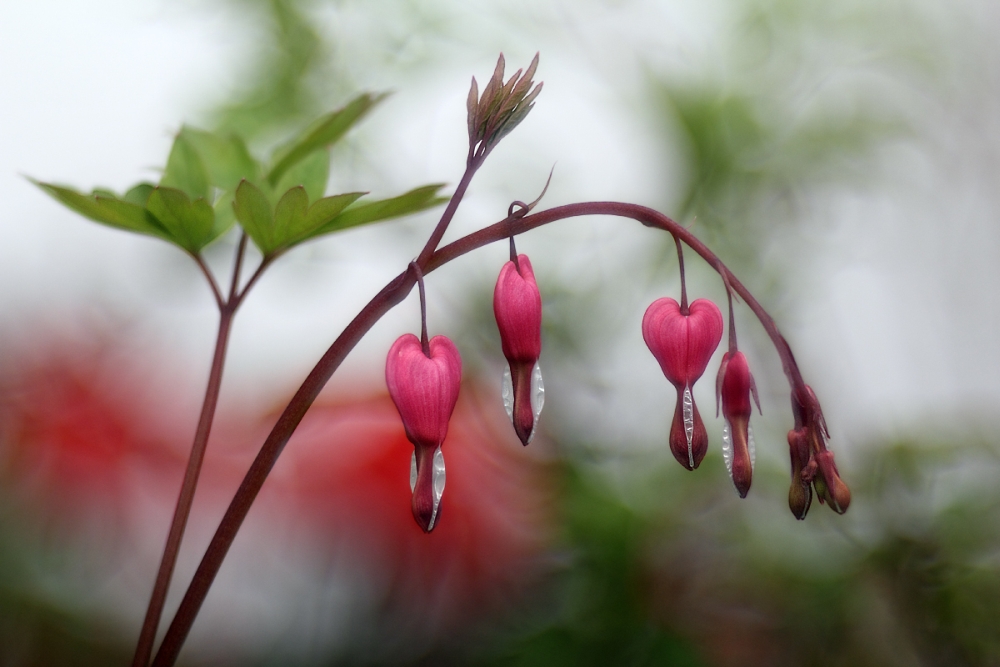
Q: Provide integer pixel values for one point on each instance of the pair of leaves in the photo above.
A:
(209, 182)
(166, 213)
(293, 220)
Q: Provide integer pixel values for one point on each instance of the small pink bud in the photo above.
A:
(424, 389)
(683, 345)
(517, 306)
(733, 387)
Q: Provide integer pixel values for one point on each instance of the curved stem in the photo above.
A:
(381, 303)
(210, 278)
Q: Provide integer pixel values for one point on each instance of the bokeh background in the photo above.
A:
(842, 158)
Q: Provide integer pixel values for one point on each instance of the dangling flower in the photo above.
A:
(812, 463)
(517, 306)
(424, 387)
(683, 343)
(733, 387)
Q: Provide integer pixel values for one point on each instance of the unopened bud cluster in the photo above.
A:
(683, 339)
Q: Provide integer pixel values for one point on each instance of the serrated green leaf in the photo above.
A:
(185, 170)
(312, 173)
(290, 212)
(139, 194)
(109, 211)
(225, 217)
(415, 200)
(295, 220)
(253, 210)
(325, 210)
(326, 131)
(190, 223)
(226, 159)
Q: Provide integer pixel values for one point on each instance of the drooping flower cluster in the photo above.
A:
(424, 377)
(683, 340)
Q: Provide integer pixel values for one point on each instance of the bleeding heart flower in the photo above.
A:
(517, 306)
(683, 343)
(424, 388)
(733, 386)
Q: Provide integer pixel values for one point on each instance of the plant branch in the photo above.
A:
(210, 278)
(154, 612)
(391, 295)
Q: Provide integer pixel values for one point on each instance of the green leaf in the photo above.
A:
(225, 217)
(226, 159)
(109, 211)
(312, 173)
(415, 200)
(295, 220)
(185, 170)
(289, 213)
(139, 194)
(189, 223)
(253, 210)
(326, 131)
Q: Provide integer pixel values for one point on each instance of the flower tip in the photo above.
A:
(799, 499)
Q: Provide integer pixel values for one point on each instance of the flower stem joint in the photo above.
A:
(683, 343)
(517, 306)
(424, 388)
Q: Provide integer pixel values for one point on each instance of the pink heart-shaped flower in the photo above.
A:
(517, 306)
(683, 344)
(425, 389)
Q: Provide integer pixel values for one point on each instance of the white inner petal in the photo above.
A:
(439, 477)
(752, 447)
(688, 407)
(413, 471)
(727, 447)
(507, 392)
(537, 397)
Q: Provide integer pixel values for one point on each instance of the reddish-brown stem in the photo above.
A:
(386, 299)
(154, 612)
(424, 341)
(680, 267)
(449, 211)
(732, 322)
(161, 586)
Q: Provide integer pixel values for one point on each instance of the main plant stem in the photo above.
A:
(227, 310)
(386, 299)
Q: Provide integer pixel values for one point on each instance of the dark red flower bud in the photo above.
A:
(424, 389)
(812, 462)
(683, 344)
(829, 487)
(733, 387)
(800, 492)
(517, 306)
